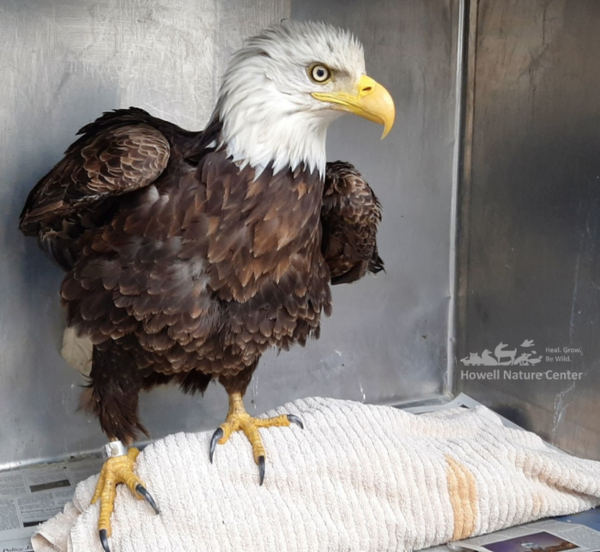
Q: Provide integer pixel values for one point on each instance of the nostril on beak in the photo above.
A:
(367, 89)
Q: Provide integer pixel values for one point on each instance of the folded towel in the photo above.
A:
(358, 478)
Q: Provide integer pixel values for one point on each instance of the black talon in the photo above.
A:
(295, 420)
(147, 497)
(213, 442)
(104, 540)
(261, 469)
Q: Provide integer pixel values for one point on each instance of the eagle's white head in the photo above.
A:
(283, 89)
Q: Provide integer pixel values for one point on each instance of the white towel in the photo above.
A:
(358, 478)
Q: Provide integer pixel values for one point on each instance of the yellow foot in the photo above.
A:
(239, 420)
(116, 470)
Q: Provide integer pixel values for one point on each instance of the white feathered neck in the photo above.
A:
(264, 130)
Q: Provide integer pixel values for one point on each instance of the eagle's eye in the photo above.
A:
(319, 73)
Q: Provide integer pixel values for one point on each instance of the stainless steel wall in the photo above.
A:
(530, 216)
(63, 62)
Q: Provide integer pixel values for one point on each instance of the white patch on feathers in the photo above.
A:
(265, 101)
(77, 351)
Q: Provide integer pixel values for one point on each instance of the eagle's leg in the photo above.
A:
(238, 419)
(113, 397)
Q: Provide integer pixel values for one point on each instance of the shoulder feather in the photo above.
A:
(118, 153)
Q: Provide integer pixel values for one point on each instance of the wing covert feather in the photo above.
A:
(350, 216)
(106, 161)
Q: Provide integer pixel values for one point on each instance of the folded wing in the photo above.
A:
(116, 154)
(350, 216)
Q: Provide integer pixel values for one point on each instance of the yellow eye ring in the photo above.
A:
(319, 73)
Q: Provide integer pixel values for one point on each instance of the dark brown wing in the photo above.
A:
(350, 215)
(117, 154)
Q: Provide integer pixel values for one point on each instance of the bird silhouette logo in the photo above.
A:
(504, 356)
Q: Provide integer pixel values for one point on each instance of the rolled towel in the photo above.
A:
(359, 478)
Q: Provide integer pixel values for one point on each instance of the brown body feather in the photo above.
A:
(182, 266)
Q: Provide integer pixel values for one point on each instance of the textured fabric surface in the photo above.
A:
(358, 478)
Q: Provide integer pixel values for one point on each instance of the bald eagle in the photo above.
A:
(189, 254)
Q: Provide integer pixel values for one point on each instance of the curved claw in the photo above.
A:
(261, 469)
(213, 442)
(104, 540)
(141, 490)
(295, 420)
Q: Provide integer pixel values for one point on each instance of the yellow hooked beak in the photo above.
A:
(371, 101)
